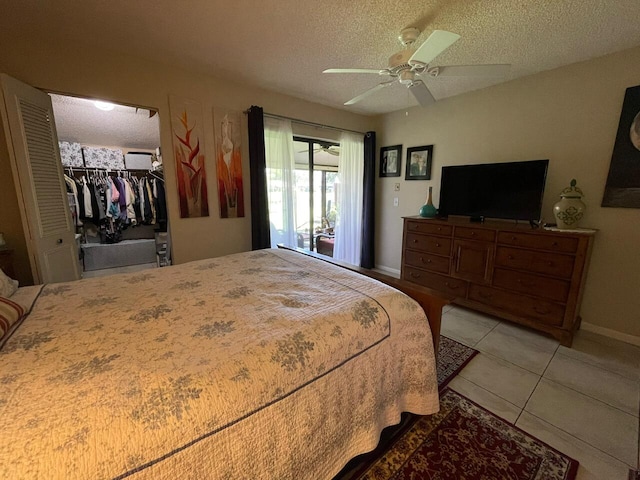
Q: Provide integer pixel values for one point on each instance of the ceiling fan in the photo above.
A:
(408, 64)
(332, 150)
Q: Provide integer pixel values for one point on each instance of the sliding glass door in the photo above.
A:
(317, 190)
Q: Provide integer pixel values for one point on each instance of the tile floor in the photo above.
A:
(583, 401)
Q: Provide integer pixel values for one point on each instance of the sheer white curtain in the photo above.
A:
(278, 143)
(348, 239)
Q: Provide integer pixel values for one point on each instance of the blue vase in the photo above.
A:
(428, 210)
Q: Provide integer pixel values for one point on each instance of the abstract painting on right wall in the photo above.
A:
(623, 183)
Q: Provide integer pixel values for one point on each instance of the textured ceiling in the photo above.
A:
(284, 45)
(79, 120)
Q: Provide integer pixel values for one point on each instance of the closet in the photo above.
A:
(115, 185)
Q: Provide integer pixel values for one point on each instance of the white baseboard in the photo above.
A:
(607, 332)
(389, 271)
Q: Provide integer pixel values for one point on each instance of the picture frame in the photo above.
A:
(418, 165)
(391, 161)
(622, 189)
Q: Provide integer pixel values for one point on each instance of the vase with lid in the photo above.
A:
(570, 209)
(428, 210)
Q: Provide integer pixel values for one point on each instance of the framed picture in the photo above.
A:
(390, 161)
(419, 163)
(622, 189)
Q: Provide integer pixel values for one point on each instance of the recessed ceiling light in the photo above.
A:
(106, 106)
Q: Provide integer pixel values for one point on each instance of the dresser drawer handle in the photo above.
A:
(513, 238)
(415, 241)
(485, 295)
(428, 260)
(554, 244)
(541, 311)
(437, 244)
(550, 264)
(415, 226)
(510, 257)
(473, 234)
(414, 275)
(452, 287)
(439, 229)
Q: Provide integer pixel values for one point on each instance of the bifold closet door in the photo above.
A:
(32, 142)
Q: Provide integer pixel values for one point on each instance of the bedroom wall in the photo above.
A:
(570, 116)
(78, 70)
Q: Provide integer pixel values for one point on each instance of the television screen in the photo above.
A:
(496, 190)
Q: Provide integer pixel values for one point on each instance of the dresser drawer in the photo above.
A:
(428, 243)
(549, 288)
(543, 242)
(538, 262)
(428, 227)
(428, 261)
(475, 234)
(541, 310)
(453, 286)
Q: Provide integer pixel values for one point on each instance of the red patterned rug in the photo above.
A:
(463, 441)
(452, 357)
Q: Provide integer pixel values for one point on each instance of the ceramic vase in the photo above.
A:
(428, 210)
(570, 209)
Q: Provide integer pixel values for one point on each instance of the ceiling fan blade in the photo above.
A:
(369, 92)
(422, 93)
(351, 70)
(474, 71)
(437, 43)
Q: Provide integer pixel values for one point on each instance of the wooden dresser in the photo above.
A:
(532, 277)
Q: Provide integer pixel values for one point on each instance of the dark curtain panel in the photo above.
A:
(260, 236)
(367, 255)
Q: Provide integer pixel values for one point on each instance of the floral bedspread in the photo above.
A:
(264, 364)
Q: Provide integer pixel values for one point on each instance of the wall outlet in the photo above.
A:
(396, 187)
(395, 201)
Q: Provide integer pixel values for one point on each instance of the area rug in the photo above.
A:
(452, 357)
(462, 441)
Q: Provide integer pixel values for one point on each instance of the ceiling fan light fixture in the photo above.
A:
(407, 77)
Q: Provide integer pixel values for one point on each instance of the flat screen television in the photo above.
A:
(510, 190)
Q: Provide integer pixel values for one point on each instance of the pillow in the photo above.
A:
(8, 286)
(10, 313)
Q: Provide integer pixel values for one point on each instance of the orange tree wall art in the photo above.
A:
(188, 149)
(229, 162)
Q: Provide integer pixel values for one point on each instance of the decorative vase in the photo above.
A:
(570, 209)
(428, 210)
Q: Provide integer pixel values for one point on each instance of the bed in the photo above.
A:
(265, 364)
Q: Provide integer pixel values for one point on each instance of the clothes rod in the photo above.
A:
(312, 124)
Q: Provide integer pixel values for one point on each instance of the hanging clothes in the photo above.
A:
(87, 199)
(72, 188)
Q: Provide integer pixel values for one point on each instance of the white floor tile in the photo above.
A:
(607, 353)
(532, 336)
(594, 464)
(519, 350)
(601, 426)
(484, 398)
(502, 378)
(608, 387)
(465, 329)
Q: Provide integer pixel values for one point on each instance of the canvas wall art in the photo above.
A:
(227, 129)
(623, 183)
(188, 148)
